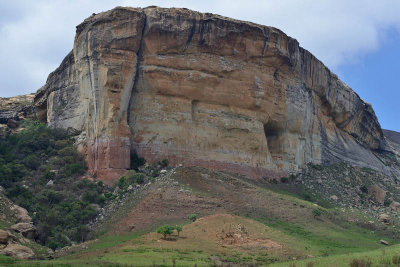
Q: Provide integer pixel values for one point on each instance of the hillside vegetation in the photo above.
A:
(238, 222)
(41, 170)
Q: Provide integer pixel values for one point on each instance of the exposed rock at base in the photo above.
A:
(26, 229)
(385, 218)
(4, 237)
(12, 212)
(377, 193)
(17, 251)
(395, 206)
(203, 90)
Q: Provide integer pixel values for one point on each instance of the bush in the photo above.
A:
(164, 163)
(32, 162)
(364, 189)
(316, 213)
(134, 177)
(193, 217)
(123, 183)
(284, 180)
(307, 196)
(130, 178)
(77, 168)
(165, 230)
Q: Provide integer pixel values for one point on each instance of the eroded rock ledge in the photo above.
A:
(205, 90)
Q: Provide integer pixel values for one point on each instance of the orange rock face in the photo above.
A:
(204, 90)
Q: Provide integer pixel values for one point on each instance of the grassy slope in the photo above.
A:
(378, 257)
(282, 218)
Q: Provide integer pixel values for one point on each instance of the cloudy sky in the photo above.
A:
(357, 39)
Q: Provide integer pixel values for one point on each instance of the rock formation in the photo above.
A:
(206, 90)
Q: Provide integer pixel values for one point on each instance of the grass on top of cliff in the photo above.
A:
(40, 170)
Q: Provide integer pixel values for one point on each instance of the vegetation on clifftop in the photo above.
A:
(40, 170)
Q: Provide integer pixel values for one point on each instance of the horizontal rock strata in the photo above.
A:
(205, 90)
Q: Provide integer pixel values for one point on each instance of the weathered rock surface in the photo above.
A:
(14, 109)
(393, 139)
(20, 214)
(204, 90)
(26, 229)
(385, 218)
(13, 212)
(4, 237)
(18, 251)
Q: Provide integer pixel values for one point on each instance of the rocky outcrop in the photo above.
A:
(16, 108)
(205, 90)
(393, 139)
(26, 229)
(4, 237)
(18, 251)
(13, 212)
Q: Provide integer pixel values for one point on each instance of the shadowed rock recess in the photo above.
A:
(204, 90)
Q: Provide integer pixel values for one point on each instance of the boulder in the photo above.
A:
(4, 237)
(395, 206)
(26, 229)
(20, 214)
(385, 218)
(334, 197)
(377, 193)
(12, 123)
(384, 242)
(18, 251)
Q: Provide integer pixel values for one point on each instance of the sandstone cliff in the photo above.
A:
(206, 90)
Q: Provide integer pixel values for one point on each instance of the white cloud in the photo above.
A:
(36, 35)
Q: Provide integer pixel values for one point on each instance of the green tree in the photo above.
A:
(165, 230)
(178, 228)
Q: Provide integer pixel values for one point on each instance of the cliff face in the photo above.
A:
(205, 90)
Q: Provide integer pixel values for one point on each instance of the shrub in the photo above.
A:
(364, 189)
(123, 183)
(284, 180)
(307, 196)
(316, 213)
(77, 168)
(193, 217)
(164, 163)
(32, 162)
(134, 177)
(165, 230)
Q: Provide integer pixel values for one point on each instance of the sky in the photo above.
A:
(357, 39)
